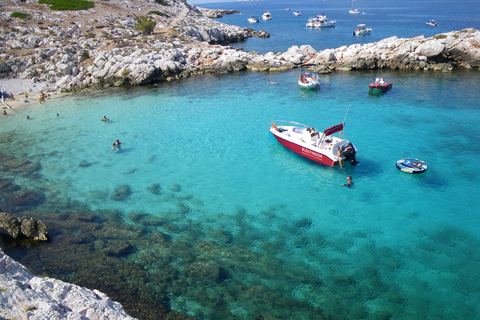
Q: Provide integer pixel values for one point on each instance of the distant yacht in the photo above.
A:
(297, 13)
(267, 16)
(253, 20)
(352, 10)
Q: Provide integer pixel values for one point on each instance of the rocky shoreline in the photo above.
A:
(186, 42)
(69, 51)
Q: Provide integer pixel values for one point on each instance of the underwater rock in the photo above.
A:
(33, 228)
(155, 189)
(119, 249)
(175, 187)
(28, 198)
(221, 236)
(7, 185)
(206, 272)
(20, 166)
(304, 223)
(121, 193)
(130, 171)
(84, 164)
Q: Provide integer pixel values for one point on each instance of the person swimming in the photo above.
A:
(349, 184)
(105, 118)
(116, 144)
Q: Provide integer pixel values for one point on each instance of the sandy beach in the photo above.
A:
(18, 87)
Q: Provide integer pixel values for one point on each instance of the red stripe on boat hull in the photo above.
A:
(305, 152)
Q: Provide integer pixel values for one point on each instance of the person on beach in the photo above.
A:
(26, 96)
(12, 96)
(5, 113)
(349, 184)
(42, 97)
(105, 118)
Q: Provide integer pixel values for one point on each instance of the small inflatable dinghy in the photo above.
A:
(411, 165)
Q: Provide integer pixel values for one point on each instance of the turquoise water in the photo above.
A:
(397, 244)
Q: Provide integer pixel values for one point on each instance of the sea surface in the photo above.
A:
(220, 221)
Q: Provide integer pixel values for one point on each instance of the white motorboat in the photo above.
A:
(253, 20)
(297, 13)
(318, 146)
(308, 79)
(267, 16)
(362, 30)
(432, 23)
(321, 21)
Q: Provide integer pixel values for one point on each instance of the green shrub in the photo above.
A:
(85, 54)
(145, 25)
(20, 15)
(162, 2)
(126, 72)
(163, 14)
(68, 4)
(440, 36)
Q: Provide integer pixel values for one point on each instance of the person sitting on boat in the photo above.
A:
(381, 81)
(274, 126)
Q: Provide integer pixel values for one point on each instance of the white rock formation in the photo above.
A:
(26, 296)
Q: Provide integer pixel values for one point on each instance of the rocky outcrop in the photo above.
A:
(26, 226)
(216, 13)
(26, 296)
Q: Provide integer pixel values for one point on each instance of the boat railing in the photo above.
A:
(286, 122)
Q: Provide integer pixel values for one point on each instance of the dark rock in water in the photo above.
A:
(121, 193)
(28, 198)
(27, 226)
(9, 225)
(205, 272)
(304, 223)
(155, 189)
(84, 164)
(7, 185)
(33, 228)
(119, 249)
(20, 166)
(175, 187)
(221, 236)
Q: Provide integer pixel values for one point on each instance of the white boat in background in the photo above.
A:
(297, 13)
(362, 30)
(308, 79)
(321, 21)
(352, 10)
(267, 16)
(253, 20)
(432, 23)
(287, 9)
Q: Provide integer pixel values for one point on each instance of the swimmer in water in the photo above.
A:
(349, 184)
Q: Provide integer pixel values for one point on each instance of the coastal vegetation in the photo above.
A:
(68, 4)
(20, 15)
(145, 25)
(162, 2)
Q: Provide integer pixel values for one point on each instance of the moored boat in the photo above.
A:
(432, 23)
(321, 21)
(297, 13)
(353, 11)
(315, 145)
(307, 79)
(253, 20)
(380, 84)
(362, 30)
(267, 16)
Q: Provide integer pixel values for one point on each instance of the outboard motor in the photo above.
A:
(349, 153)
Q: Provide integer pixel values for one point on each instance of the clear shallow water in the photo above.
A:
(403, 19)
(401, 244)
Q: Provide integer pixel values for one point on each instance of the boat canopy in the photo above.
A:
(332, 130)
(361, 25)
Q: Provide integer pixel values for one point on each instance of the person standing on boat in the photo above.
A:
(340, 157)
